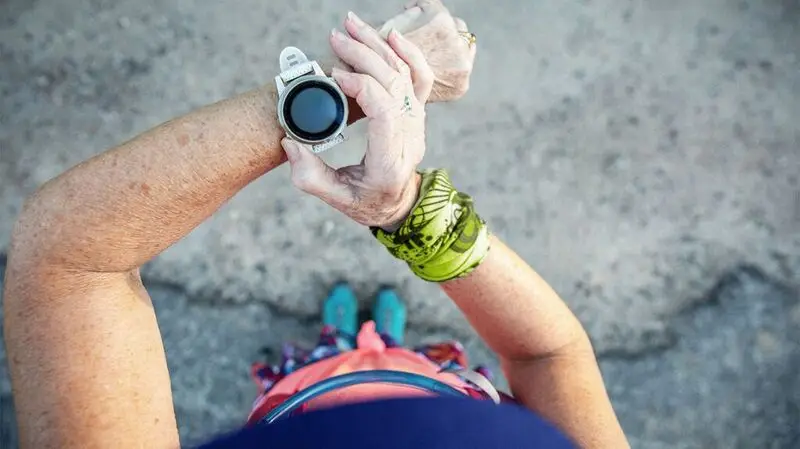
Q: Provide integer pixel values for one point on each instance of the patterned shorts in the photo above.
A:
(446, 355)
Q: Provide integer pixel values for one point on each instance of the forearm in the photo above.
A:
(516, 312)
(119, 209)
(544, 351)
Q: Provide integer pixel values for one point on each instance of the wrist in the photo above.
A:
(407, 204)
(444, 238)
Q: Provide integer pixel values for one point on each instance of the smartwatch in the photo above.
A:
(312, 109)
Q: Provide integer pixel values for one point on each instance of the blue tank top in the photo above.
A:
(413, 423)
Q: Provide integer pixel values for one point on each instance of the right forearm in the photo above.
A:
(545, 352)
(513, 308)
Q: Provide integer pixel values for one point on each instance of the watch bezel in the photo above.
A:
(294, 85)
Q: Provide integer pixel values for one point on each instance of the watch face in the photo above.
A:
(314, 110)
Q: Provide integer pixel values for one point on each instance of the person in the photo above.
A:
(87, 363)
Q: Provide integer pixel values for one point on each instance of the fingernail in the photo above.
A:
(395, 34)
(337, 35)
(354, 18)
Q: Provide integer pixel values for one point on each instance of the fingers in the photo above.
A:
(421, 73)
(361, 58)
(370, 37)
(373, 98)
(461, 27)
(383, 110)
(311, 175)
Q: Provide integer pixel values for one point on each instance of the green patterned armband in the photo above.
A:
(443, 238)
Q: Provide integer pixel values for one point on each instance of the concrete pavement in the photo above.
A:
(726, 377)
(633, 152)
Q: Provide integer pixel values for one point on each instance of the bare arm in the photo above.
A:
(87, 362)
(83, 343)
(84, 348)
(121, 208)
(545, 352)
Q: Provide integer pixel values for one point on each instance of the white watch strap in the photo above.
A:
(294, 64)
(330, 143)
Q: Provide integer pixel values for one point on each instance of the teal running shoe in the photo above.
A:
(389, 315)
(340, 309)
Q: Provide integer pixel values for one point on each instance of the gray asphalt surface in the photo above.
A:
(637, 154)
(726, 377)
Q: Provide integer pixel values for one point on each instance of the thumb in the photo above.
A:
(310, 173)
(292, 150)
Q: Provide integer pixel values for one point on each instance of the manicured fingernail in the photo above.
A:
(337, 35)
(354, 18)
(395, 34)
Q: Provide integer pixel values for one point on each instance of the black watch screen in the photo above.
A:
(313, 110)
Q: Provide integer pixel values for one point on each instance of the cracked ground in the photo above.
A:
(642, 156)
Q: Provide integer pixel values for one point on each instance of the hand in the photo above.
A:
(429, 25)
(382, 189)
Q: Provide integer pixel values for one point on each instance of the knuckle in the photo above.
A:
(461, 84)
(372, 84)
(394, 61)
(463, 87)
(397, 84)
(366, 88)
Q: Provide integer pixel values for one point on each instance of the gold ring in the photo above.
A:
(470, 38)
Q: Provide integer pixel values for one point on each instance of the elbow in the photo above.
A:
(575, 345)
(29, 257)
(578, 345)
(32, 239)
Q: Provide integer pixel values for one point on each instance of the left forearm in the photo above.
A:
(121, 208)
